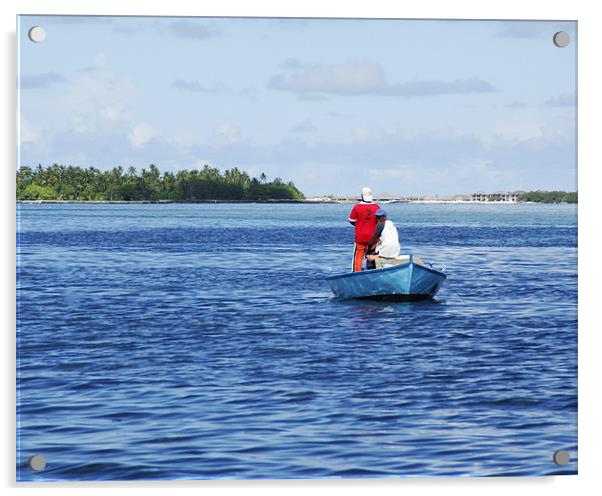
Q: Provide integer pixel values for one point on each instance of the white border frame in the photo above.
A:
(590, 161)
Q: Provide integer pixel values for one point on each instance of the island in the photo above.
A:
(71, 183)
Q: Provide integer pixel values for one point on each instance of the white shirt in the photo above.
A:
(388, 243)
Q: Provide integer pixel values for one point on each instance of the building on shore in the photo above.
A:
(499, 196)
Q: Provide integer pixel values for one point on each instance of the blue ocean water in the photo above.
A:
(201, 341)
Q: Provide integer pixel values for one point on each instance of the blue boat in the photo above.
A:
(408, 281)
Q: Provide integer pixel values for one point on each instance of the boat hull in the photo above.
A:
(405, 282)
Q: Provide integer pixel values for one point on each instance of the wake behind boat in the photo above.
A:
(410, 280)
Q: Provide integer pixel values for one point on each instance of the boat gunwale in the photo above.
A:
(389, 269)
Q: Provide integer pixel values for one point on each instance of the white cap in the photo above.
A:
(367, 194)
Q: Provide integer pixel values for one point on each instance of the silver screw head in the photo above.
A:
(37, 463)
(561, 39)
(37, 34)
(561, 457)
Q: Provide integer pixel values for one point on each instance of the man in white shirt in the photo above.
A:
(387, 247)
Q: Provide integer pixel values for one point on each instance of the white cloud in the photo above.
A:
(200, 163)
(141, 134)
(339, 115)
(438, 161)
(564, 100)
(101, 63)
(363, 134)
(346, 78)
(226, 133)
(292, 63)
(196, 87)
(249, 92)
(304, 127)
(27, 132)
(99, 100)
(113, 113)
(401, 171)
(195, 29)
(368, 78)
(308, 97)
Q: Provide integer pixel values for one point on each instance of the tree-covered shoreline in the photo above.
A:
(59, 182)
(548, 197)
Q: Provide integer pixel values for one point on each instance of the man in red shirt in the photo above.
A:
(363, 218)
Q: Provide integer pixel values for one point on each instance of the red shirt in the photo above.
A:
(364, 220)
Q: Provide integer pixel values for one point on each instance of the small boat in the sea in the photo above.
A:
(409, 280)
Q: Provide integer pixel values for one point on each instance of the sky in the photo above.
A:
(407, 107)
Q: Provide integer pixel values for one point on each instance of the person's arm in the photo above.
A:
(377, 232)
(353, 216)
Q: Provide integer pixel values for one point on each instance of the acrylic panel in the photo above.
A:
(295, 248)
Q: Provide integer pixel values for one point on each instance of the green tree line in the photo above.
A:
(548, 197)
(59, 182)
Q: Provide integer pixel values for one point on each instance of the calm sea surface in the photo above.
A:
(202, 341)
